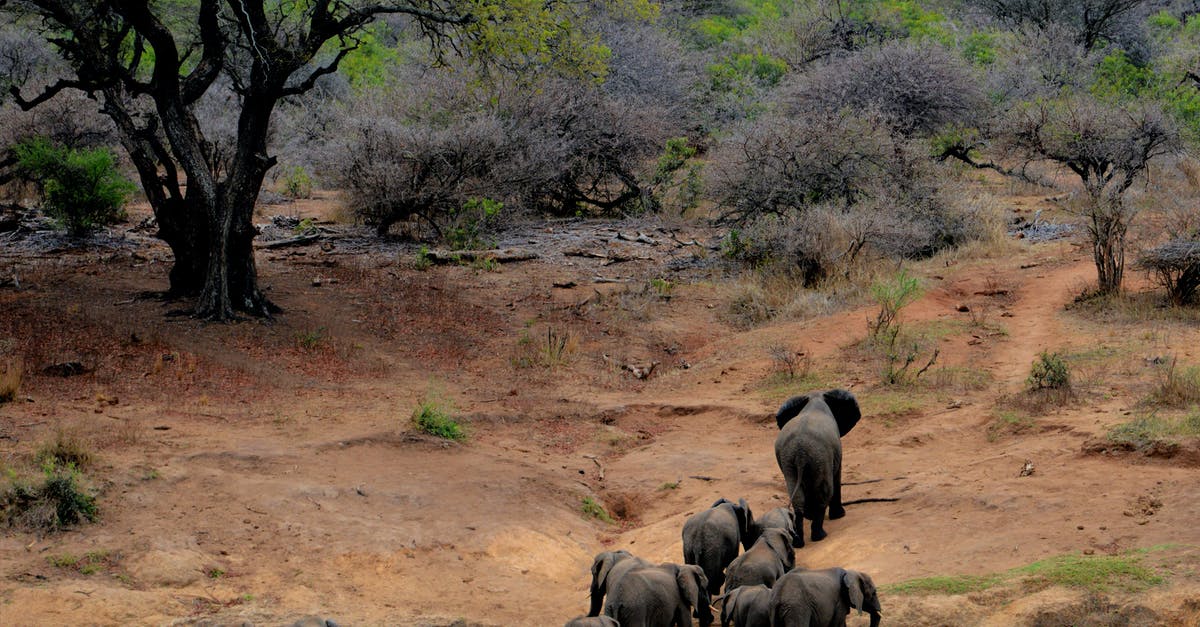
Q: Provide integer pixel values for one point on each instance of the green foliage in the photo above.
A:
(91, 563)
(733, 245)
(952, 584)
(296, 183)
(713, 31)
(55, 503)
(1049, 372)
(662, 287)
(433, 416)
(471, 222)
(423, 260)
(674, 157)
(742, 73)
(892, 295)
(81, 189)
(371, 64)
(593, 509)
(979, 47)
(1118, 78)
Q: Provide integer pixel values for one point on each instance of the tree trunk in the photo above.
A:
(1108, 227)
(185, 229)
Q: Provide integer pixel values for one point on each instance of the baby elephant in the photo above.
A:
(592, 621)
(822, 598)
(747, 606)
(770, 557)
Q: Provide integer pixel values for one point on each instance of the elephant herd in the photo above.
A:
(749, 565)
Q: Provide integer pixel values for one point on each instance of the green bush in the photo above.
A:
(433, 417)
(892, 296)
(81, 189)
(1049, 372)
(471, 222)
(296, 183)
(52, 505)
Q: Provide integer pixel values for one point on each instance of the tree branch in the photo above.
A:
(49, 93)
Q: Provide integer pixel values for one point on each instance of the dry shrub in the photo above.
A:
(1176, 386)
(755, 299)
(66, 448)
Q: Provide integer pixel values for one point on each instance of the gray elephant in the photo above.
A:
(660, 596)
(823, 598)
(711, 538)
(607, 569)
(809, 452)
(593, 621)
(746, 606)
(770, 557)
(778, 518)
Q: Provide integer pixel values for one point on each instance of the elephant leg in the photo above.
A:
(818, 525)
(836, 510)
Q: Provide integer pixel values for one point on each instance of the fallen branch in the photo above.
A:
(874, 480)
(501, 255)
(302, 240)
(891, 499)
(701, 477)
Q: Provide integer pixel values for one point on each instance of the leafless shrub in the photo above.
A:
(915, 87)
(1175, 266)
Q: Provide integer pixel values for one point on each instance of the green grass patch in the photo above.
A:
(1096, 573)
(593, 509)
(1093, 572)
(954, 584)
(53, 502)
(1008, 422)
(433, 416)
(1144, 431)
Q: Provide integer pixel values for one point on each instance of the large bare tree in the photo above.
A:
(150, 62)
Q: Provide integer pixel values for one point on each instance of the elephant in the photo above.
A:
(593, 621)
(711, 538)
(770, 557)
(747, 606)
(809, 452)
(607, 569)
(778, 518)
(822, 598)
(660, 596)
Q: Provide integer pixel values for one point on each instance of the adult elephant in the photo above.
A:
(822, 598)
(660, 596)
(711, 539)
(809, 452)
(607, 569)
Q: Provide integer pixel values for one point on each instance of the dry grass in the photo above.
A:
(1177, 386)
(11, 373)
(66, 448)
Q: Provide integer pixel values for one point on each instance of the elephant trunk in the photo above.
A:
(597, 599)
(874, 619)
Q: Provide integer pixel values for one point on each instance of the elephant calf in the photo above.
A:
(660, 596)
(747, 606)
(592, 621)
(809, 452)
(822, 598)
(778, 518)
(711, 539)
(764, 563)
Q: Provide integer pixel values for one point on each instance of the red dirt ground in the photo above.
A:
(262, 471)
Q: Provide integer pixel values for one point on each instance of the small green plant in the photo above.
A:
(486, 264)
(304, 226)
(1006, 422)
(1049, 372)
(10, 380)
(310, 340)
(81, 189)
(215, 573)
(669, 485)
(65, 560)
(892, 296)
(662, 287)
(296, 183)
(733, 245)
(432, 416)
(470, 223)
(674, 157)
(55, 503)
(592, 509)
(423, 260)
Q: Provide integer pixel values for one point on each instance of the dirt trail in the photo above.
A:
(249, 479)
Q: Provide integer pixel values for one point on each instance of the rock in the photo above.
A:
(65, 369)
(314, 621)
(177, 567)
(963, 308)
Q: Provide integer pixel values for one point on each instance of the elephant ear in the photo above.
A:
(845, 409)
(790, 409)
(855, 586)
(745, 522)
(719, 502)
(781, 543)
(690, 580)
